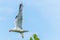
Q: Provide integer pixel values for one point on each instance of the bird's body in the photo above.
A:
(18, 22)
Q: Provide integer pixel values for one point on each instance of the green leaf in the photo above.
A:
(31, 38)
(35, 37)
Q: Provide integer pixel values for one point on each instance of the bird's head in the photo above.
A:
(10, 30)
(13, 30)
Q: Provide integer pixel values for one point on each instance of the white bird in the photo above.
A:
(18, 22)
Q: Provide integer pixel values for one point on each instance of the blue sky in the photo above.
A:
(40, 16)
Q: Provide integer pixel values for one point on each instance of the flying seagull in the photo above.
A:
(18, 22)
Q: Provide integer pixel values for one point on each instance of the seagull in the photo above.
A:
(18, 22)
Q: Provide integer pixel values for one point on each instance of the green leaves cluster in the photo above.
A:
(35, 37)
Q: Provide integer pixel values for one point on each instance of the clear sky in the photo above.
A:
(40, 16)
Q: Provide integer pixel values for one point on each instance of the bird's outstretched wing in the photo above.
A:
(19, 17)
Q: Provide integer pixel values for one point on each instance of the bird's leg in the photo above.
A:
(22, 35)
